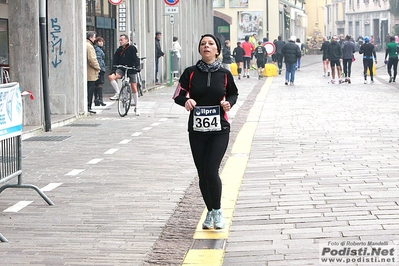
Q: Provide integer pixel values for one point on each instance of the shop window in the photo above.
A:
(3, 42)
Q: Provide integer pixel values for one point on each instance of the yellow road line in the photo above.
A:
(231, 176)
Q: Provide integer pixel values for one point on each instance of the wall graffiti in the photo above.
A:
(56, 43)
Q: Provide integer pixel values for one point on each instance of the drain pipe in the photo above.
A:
(43, 45)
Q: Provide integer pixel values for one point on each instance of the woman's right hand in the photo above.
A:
(190, 104)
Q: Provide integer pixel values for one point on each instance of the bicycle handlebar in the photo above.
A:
(123, 66)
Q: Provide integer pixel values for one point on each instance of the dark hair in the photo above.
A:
(157, 33)
(99, 39)
(124, 35)
(247, 38)
(175, 39)
(217, 41)
(392, 38)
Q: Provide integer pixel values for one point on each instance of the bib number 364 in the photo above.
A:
(207, 118)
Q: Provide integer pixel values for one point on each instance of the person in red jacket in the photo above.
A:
(248, 49)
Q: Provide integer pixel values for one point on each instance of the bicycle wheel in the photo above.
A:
(125, 97)
(139, 89)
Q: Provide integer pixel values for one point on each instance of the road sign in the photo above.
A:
(270, 48)
(115, 2)
(171, 10)
(172, 19)
(171, 2)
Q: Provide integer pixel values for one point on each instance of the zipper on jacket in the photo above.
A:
(208, 83)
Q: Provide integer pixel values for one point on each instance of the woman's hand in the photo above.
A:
(190, 104)
(225, 105)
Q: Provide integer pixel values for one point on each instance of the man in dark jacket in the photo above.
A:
(279, 56)
(158, 54)
(334, 55)
(291, 53)
(324, 49)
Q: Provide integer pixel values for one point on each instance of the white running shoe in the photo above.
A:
(115, 97)
(136, 111)
(208, 223)
(218, 220)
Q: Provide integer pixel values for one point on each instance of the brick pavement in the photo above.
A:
(322, 166)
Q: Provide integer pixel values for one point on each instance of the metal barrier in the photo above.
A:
(11, 141)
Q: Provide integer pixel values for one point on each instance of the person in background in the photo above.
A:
(279, 56)
(226, 55)
(368, 51)
(125, 55)
(348, 50)
(158, 54)
(176, 48)
(334, 56)
(98, 92)
(324, 49)
(298, 63)
(238, 54)
(291, 53)
(392, 51)
(254, 40)
(260, 55)
(208, 91)
(341, 39)
(93, 68)
(248, 49)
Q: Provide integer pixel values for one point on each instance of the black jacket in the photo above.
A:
(368, 51)
(279, 45)
(194, 83)
(238, 54)
(226, 55)
(334, 51)
(126, 55)
(158, 50)
(291, 52)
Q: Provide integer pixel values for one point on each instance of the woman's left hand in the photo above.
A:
(225, 105)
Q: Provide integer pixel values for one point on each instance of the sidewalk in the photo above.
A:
(322, 166)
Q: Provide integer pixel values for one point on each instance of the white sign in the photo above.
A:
(10, 110)
(171, 10)
(172, 19)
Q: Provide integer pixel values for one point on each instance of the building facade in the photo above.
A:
(66, 25)
(369, 18)
(268, 19)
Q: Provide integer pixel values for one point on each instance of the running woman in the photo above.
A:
(208, 91)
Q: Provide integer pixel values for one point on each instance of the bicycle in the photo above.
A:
(125, 94)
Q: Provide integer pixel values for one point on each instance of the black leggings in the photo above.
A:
(368, 64)
(208, 151)
(393, 62)
(347, 67)
(247, 62)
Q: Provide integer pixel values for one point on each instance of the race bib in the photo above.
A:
(206, 118)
